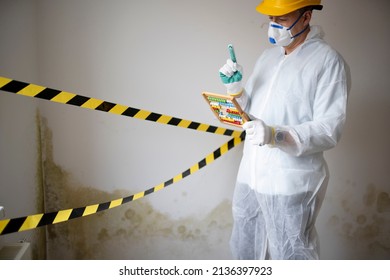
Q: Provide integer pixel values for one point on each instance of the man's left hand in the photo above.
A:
(257, 132)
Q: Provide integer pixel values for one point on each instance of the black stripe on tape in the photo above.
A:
(131, 112)
(153, 117)
(211, 129)
(128, 199)
(14, 86)
(149, 191)
(217, 153)
(48, 93)
(78, 100)
(167, 183)
(103, 206)
(77, 212)
(105, 106)
(47, 219)
(202, 163)
(194, 125)
(187, 173)
(174, 121)
(14, 225)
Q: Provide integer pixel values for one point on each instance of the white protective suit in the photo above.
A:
(280, 187)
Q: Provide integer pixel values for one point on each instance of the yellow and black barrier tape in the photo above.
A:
(38, 220)
(54, 95)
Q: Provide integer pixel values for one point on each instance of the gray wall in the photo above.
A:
(159, 56)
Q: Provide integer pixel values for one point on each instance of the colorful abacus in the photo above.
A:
(225, 108)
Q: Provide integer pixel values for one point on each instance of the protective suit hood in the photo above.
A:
(316, 32)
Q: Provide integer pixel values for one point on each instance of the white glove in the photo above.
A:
(231, 76)
(257, 132)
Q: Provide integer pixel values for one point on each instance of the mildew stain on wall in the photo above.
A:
(38, 236)
(132, 231)
(365, 220)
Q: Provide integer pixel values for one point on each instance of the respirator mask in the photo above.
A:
(280, 35)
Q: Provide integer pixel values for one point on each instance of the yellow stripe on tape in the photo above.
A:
(115, 203)
(164, 119)
(237, 140)
(224, 148)
(184, 123)
(92, 103)
(209, 159)
(63, 97)
(31, 90)
(177, 178)
(142, 114)
(221, 131)
(91, 209)
(4, 81)
(159, 187)
(62, 216)
(139, 195)
(3, 224)
(203, 127)
(31, 222)
(194, 168)
(118, 109)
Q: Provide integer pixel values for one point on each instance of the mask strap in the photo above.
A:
(296, 35)
(295, 21)
(299, 33)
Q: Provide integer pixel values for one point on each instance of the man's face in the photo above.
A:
(289, 19)
(286, 20)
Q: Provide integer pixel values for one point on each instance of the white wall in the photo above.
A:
(20, 184)
(355, 221)
(159, 56)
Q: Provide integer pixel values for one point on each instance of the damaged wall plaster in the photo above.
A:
(138, 231)
(39, 235)
(364, 221)
(131, 231)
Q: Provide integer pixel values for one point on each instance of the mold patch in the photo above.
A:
(38, 236)
(365, 224)
(383, 204)
(132, 231)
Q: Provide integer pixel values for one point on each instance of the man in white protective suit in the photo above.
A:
(296, 98)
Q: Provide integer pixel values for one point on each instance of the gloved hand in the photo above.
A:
(257, 132)
(231, 76)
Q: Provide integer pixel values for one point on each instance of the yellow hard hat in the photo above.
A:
(283, 7)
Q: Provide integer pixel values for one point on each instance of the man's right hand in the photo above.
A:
(231, 76)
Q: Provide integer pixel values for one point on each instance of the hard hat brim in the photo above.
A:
(281, 10)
